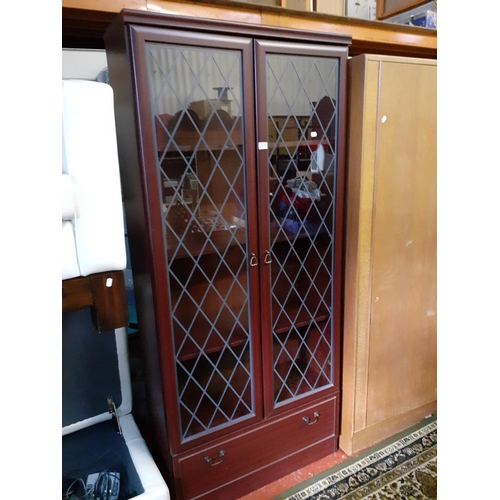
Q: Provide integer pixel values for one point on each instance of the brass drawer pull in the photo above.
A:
(308, 422)
(268, 259)
(253, 260)
(221, 458)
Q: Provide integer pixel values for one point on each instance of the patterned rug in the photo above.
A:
(404, 469)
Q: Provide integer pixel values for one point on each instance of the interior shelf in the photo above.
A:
(279, 233)
(303, 142)
(218, 396)
(193, 347)
(300, 316)
(207, 418)
(195, 244)
(189, 140)
(297, 380)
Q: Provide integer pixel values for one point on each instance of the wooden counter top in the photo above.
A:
(85, 21)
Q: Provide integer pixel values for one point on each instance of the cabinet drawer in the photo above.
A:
(270, 442)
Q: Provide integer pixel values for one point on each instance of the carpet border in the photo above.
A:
(352, 460)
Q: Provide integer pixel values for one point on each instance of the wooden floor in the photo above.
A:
(270, 490)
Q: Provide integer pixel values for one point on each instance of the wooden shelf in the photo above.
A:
(215, 344)
(206, 408)
(288, 144)
(212, 141)
(304, 318)
(215, 388)
(289, 236)
(296, 381)
(194, 244)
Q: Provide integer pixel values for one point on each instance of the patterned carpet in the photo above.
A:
(404, 469)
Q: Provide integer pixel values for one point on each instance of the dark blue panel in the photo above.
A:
(89, 368)
(96, 449)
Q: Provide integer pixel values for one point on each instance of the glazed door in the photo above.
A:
(198, 135)
(298, 133)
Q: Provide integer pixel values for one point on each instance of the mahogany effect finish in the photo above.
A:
(231, 142)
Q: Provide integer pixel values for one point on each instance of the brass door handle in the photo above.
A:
(268, 259)
(253, 260)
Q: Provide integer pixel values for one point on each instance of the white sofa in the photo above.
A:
(92, 213)
(93, 242)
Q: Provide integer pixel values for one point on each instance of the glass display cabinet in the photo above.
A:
(231, 143)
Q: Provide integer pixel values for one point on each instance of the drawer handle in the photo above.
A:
(316, 418)
(213, 464)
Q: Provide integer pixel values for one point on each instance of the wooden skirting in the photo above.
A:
(85, 21)
(360, 440)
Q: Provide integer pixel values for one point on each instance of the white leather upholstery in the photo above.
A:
(91, 192)
(68, 197)
(151, 479)
(70, 267)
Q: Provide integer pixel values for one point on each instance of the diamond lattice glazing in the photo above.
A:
(197, 107)
(301, 99)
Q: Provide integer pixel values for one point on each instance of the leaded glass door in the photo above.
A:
(205, 181)
(298, 92)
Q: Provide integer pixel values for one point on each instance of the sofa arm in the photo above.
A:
(90, 159)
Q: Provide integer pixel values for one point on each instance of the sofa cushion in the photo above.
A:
(90, 160)
(70, 268)
(68, 197)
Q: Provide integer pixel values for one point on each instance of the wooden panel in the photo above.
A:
(403, 298)
(362, 126)
(76, 294)
(106, 5)
(107, 298)
(356, 87)
(275, 3)
(333, 7)
(80, 29)
(256, 479)
(207, 11)
(367, 36)
(364, 244)
(387, 8)
(296, 4)
(110, 300)
(368, 436)
(232, 459)
(389, 374)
